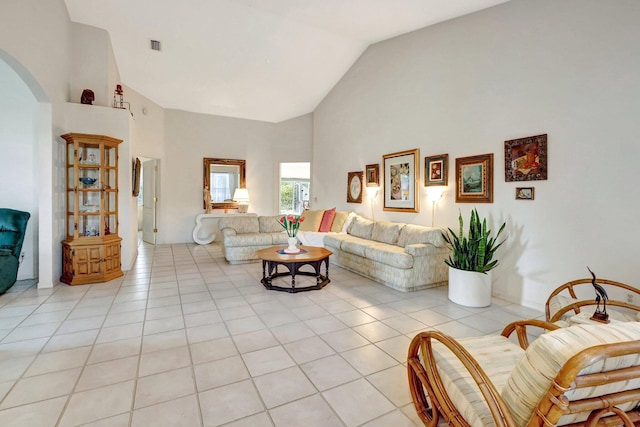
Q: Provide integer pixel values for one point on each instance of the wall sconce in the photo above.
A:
(434, 195)
(241, 195)
(372, 192)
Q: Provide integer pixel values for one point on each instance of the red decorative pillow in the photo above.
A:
(327, 220)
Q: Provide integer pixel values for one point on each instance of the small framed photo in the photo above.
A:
(525, 159)
(525, 193)
(436, 170)
(372, 175)
(401, 178)
(474, 179)
(354, 187)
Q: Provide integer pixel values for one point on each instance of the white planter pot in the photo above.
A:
(469, 288)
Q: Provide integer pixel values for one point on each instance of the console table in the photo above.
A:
(210, 237)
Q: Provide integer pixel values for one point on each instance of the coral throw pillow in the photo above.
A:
(327, 220)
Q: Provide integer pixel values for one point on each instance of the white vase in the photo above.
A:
(292, 249)
(469, 288)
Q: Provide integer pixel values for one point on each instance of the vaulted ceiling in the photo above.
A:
(268, 60)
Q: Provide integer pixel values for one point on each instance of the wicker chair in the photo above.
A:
(566, 301)
(583, 375)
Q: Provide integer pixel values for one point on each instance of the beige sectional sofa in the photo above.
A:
(402, 256)
(243, 236)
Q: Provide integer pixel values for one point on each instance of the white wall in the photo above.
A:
(18, 162)
(190, 137)
(35, 42)
(566, 68)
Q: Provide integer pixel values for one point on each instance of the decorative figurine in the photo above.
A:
(601, 295)
(87, 97)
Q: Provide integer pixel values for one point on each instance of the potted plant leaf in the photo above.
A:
(471, 261)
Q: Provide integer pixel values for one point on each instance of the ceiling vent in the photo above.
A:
(155, 45)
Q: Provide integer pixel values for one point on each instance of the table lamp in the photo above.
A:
(241, 196)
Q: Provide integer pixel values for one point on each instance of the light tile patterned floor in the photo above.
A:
(185, 339)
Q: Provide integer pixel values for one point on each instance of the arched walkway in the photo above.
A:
(32, 171)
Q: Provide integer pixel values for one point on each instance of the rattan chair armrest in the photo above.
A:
(520, 327)
(423, 343)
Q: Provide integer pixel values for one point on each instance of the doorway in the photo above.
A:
(148, 201)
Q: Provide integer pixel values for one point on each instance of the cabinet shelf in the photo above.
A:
(91, 251)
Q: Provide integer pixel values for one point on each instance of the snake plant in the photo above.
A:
(475, 251)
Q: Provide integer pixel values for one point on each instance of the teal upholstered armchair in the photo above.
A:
(13, 226)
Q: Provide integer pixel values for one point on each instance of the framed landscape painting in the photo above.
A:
(474, 179)
(436, 170)
(401, 172)
(525, 159)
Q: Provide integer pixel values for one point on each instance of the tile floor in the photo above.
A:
(185, 339)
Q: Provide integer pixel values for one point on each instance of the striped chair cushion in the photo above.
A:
(496, 355)
(532, 377)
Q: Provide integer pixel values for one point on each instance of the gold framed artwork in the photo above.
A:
(372, 175)
(354, 187)
(525, 159)
(436, 170)
(525, 193)
(474, 179)
(136, 177)
(401, 172)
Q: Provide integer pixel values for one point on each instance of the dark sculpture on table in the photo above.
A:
(601, 295)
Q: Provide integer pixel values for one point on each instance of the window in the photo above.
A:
(220, 184)
(294, 187)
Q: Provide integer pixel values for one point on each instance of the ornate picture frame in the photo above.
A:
(436, 170)
(525, 193)
(372, 175)
(401, 174)
(355, 186)
(136, 177)
(525, 159)
(474, 179)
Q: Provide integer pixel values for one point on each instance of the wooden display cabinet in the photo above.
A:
(91, 251)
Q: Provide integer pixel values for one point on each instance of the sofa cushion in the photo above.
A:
(534, 374)
(392, 255)
(243, 224)
(335, 240)
(411, 234)
(270, 224)
(340, 221)
(386, 231)
(327, 220)
(279, 238)
(361, 227)
(312, 220)
(248, 239)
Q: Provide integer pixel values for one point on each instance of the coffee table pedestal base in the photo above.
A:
(294, 270)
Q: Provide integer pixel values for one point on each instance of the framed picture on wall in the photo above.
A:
(436, 170)
(354, 187)
(474, 179)
(401, 172)
(136, 177)
(525, 193)
(525, 159)
(372, 175)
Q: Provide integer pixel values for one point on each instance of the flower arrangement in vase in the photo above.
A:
(291, 224)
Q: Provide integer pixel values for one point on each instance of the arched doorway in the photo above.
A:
(27, 147)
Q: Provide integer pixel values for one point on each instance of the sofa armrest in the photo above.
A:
(417, 249)
(228, 232)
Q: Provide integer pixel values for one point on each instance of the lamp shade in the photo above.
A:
(241, 195)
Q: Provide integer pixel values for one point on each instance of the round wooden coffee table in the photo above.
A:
(273, 257)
